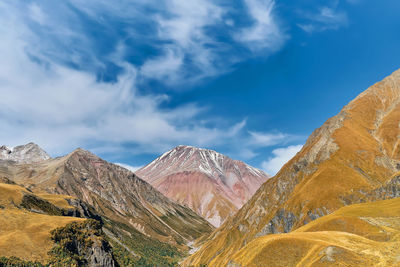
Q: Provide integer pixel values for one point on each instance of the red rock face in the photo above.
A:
(210, 183)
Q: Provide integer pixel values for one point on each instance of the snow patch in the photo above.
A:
(205, 201)
(215, 220)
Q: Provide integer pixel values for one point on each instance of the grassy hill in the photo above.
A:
(358, 235)
(26, 234)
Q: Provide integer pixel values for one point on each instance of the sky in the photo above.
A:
(131, 79)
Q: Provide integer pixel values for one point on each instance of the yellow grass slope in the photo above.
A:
(356, 151)
(12, 194)
(357, 235)
(25, 234)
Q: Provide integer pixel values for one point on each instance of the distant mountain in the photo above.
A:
(28, 153)
(211, 184)
(353, 153)
(137, 218)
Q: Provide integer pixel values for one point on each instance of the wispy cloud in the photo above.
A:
(279, 158)
(264, 31)
(268, 139)
(190, 40)
(129, 167)
(166, 67)
(72, 71)
(326, 18)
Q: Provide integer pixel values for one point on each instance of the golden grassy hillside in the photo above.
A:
(357, 235)
(12, 195)
(57, 200)
(25, 234)
(354, 152)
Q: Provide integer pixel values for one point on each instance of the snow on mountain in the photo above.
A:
(28, 153)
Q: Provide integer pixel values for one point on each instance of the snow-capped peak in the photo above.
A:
(212, 184)
(28, 153)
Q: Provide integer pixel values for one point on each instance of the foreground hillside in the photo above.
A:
(36, 229)
(211, 184)
(357, 235)
(353, 153)
(26, 234)
(142, 224)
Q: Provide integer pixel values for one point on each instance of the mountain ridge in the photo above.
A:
(129, 206)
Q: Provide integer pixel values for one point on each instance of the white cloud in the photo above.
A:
(265, 32)
(327, 18)
(129, 167)
(52, 94)
(280, 157)
(165, 67)
(189, 51)
(267, 139)
(184, 23)
(37, 14)
(62, 108)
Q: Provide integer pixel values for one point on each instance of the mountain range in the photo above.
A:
(335, 203)
(130, 208)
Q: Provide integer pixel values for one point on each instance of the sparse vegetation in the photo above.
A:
(74, 241)
(17, 262)
(151, 252)
(34, 203)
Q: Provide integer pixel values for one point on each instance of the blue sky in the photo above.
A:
(130, 80)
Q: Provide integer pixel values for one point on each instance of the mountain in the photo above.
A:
(211, 184)
(28, 153)
(353, 153)
(137, 218)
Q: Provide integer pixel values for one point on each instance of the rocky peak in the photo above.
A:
(188, 158)
(29, 153)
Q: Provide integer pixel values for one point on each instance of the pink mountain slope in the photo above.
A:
(211, 184)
